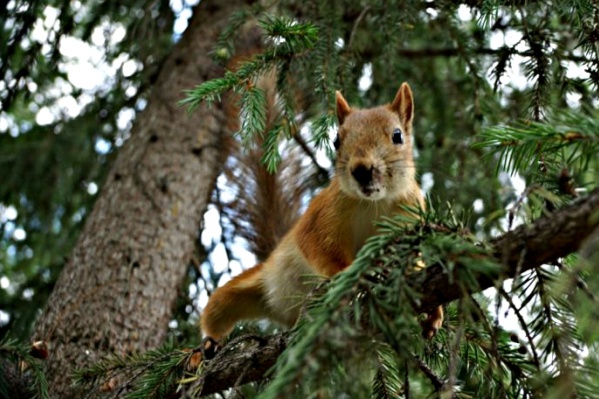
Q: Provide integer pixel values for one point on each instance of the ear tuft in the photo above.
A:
(403, 104)
(343, 108)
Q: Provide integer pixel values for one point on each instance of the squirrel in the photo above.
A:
(374, 177)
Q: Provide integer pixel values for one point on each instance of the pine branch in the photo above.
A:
(437, 382)
(502, 51)
(323, 174)
(153, 374)
(386, 382)
(252, 363)
(21, 370)
(287, 40)
(547, 239)
(565, 136)
(523, 325)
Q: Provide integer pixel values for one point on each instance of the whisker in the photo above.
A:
(394, 159)
(399, 167)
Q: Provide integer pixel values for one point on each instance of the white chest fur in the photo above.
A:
(288, 278)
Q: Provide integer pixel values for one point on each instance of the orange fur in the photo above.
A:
(240, 298)
(374, 178)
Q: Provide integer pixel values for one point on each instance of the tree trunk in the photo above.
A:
(117, 290)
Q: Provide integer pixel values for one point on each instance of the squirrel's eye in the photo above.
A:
(336, 143)
(397, 136)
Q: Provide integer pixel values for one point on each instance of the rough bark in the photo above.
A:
(527, 247)
(117, 290)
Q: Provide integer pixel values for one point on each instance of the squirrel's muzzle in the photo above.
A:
(363, 174)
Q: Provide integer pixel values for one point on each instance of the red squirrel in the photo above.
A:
(374, 177)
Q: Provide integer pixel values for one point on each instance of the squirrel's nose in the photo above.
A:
(363, 174)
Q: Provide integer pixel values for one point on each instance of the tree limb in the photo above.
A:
(243, 360)
(454, 51)
(524, 248)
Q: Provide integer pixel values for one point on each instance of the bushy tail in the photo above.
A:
(266, 205)
(263, 208)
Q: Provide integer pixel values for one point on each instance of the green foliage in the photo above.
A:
(565, 140)
(372, 299)
(17, 356)
(474, 122)
(225, 45)
(386, 383)
(287, 39)
(253, 114)
(370, 305)
(322, 126)
(152, 375)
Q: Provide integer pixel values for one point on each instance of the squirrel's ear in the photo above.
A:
(403, 104)
(343, 108)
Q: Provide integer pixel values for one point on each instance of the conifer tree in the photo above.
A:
(507, 137)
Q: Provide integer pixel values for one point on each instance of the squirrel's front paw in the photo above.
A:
(206, 351)
(210, 348)
(432, 323)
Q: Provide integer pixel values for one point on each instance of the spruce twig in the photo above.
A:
(437, 382)
(523, 325)
(19, 362)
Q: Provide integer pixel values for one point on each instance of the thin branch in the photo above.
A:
(437, 382)
(454, 348)
(455, 51)
(547, 239)
(531, 342)
(406, 384)
(322, 172)
(251, 359)
(356, 24)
